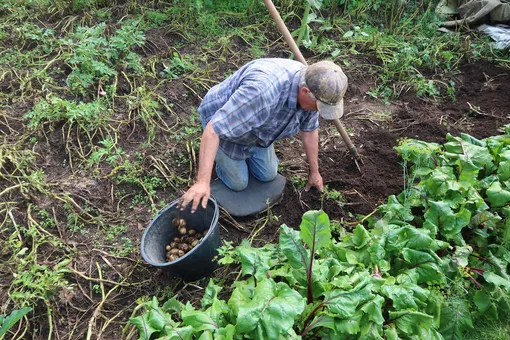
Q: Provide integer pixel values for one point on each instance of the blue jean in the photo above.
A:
(263, 165)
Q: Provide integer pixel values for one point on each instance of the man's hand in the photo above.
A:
(315, 180)
(200, 191)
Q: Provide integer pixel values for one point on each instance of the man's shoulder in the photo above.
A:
(275, 64)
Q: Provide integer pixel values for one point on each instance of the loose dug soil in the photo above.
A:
(482, 106)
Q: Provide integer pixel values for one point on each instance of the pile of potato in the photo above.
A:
(181, 245)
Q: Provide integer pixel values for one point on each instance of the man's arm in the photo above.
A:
(311, 144)
(201, 190)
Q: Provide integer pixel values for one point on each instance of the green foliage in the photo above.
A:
(54, 110)
(33, 281)
(93, 57)
(178, 66)
(110, 152)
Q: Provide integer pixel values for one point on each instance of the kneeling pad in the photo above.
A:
(257, 197)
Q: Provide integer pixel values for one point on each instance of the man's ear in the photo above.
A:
(304, 90)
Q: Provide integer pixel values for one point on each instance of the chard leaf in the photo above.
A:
(370, 331)
(395, 209)
(497, 196)
(158, 319)
(436, 184)
(199, 320)
(461, 255)
(497, 280)
(144, 328)
(504, 166)
(172, 305)
(410, 322)
(343, 303)
(273, 307)
(479, 155)
(322, 320)
(292, 246)
(207, 335)
(226, 333)
(361, 237)
(373, 309)
(315, 229)
(484, 219)
(419, 152)
(391, 333)
(241, 295)
(255, 261)
(485, 306)
(403, 296)
(440, 217)
(350, 325)
(211, 293)
(181, 333)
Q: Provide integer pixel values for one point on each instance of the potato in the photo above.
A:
(173, 257)
(177, 239)
(191, 232)
(168, 247)
(182, 223)
(180, 252)
(194, 243)
(173, 244)
(174, 251)
(175, 221)
(183, 230)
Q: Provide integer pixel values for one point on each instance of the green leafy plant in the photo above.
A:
(434, 260)
(312, 285)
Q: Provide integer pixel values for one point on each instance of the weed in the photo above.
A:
(123, 248)
(53, 110)
(109, 152)
(298, 182)
(333, 194)
(177, 66)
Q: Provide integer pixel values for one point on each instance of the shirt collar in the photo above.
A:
(292, 102)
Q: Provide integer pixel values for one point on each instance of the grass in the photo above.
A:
(490, 330)
(99, 126)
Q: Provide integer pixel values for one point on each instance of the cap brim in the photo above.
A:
(331, 112)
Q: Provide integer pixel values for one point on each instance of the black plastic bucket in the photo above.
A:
(198, 262)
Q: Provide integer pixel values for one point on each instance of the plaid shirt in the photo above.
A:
(256, 106)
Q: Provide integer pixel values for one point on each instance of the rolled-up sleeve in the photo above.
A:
(248, 108)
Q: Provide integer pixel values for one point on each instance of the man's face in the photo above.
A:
(305, 99)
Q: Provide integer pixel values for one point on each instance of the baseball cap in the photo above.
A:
(328, 84)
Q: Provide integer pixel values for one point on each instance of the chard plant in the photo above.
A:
(435, 258)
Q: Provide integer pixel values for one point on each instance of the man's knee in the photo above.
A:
(237, 184)
(268, 175)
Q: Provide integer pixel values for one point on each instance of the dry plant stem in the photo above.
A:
(100, 280)
(109, 320)
(15, 224)
(50, 320)
(98, 309)
(147, 192)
